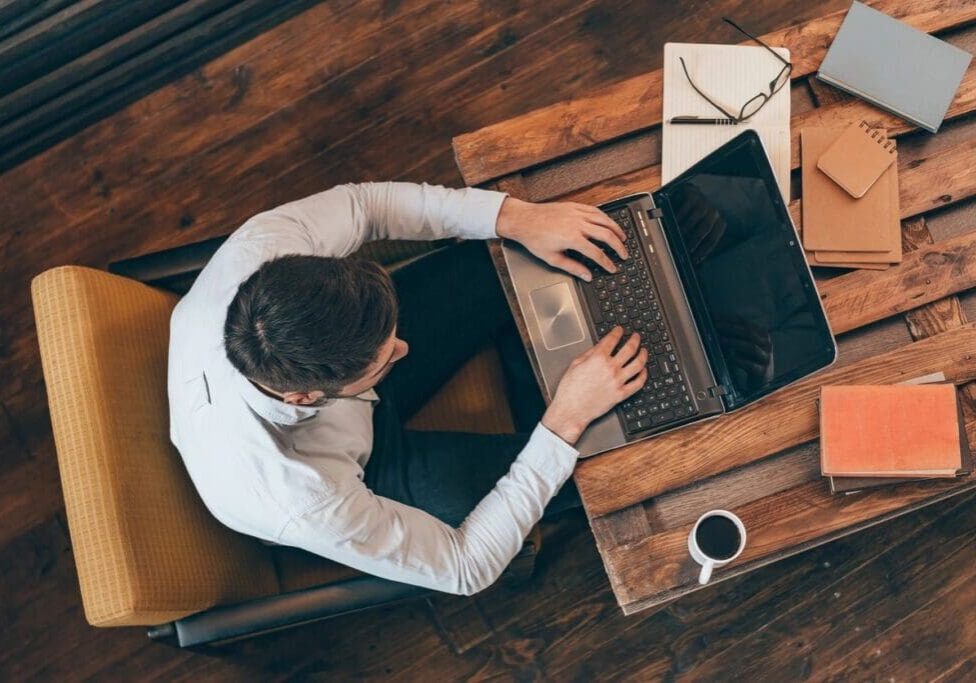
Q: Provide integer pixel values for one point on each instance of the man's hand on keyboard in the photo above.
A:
(549, 231)
(595, 382)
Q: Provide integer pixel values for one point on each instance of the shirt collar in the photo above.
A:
(277, 411)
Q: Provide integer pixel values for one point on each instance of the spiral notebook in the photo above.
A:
(858, 158)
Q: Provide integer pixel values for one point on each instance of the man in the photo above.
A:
(277, 349)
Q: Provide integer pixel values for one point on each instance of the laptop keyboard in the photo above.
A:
(629, 298)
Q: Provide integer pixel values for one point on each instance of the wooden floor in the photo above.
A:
(352, 91)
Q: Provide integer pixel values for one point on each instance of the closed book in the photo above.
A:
(889, 431)
(894, 66)
(855, 484)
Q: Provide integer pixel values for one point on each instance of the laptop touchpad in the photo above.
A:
(555, 310)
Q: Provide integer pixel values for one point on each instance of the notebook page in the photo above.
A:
(730, 75)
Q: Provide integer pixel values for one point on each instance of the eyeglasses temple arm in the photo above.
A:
(749, 35)
(704, 96)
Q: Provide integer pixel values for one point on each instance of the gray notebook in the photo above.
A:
(894, 66)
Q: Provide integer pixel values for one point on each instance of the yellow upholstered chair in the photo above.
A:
(147, 550)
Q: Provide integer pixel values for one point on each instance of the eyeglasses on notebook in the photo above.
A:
(754, 104)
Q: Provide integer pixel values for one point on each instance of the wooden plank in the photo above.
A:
(937, 180)
(945, 626)
(824, 627)
(104, 56)
(924, 276)
(116, 87)
(588, 177)
(68, 34)
(787, 418)
(17, 15)
(633, 104)
(841, 114)
(772, 479)
(942, 314)
(659, 568)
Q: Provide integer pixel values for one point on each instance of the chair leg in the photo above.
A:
(162, 633)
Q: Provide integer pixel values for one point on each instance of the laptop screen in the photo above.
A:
(744, 271)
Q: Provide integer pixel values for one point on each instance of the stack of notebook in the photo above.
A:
(880, 435)
(851, 216)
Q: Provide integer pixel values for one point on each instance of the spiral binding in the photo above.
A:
(876, 135)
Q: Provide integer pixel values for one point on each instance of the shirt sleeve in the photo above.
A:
(338, 221)
(386, 538)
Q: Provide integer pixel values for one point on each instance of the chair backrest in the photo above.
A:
(146, 548)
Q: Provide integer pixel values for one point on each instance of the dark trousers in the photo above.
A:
(451, 307)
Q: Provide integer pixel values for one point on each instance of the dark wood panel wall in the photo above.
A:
(65, 64)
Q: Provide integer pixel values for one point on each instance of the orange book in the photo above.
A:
(889, 431)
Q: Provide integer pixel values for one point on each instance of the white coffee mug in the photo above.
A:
(702, 557)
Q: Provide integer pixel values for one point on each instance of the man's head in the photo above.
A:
(307, 327)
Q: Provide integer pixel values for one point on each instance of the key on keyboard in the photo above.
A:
(629, 298)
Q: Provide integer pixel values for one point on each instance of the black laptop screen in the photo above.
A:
(750, 289)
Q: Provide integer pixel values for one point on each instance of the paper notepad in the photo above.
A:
(730, 75)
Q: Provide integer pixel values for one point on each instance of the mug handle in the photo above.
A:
(706, 572)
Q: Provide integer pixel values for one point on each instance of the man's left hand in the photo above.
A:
(551, 230)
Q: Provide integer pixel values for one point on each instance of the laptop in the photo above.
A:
(716, 285)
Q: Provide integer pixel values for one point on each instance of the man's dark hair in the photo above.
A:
(310, 323)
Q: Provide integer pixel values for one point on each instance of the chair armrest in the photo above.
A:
(231, 622)
(176, 269)
(171, 269)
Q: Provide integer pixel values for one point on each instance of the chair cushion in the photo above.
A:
(146, 548)
(473, 400)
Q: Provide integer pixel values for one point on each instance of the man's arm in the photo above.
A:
(395, 541)
(385, 538)
(338, 221)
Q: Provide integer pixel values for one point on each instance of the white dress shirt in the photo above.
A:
(293, 475)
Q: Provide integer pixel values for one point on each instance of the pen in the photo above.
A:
(699, 120)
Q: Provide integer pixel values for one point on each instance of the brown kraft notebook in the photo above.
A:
(889, 180)
(857, 158)
(832, 219)
(889, 431)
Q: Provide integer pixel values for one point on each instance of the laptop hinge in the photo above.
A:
(655, 212)
(720, 390)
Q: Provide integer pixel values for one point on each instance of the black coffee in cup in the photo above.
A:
(718, 537)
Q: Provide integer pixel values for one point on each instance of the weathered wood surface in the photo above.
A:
(784, 419)
(634, 104)
(852, 301)
(88, 58)
(778, 526)
(934, 271)
(773, 484)
(631, 163)
(944, 177)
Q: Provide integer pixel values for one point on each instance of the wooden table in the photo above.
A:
(761, 462)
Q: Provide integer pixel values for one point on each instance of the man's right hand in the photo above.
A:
(595, 382)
